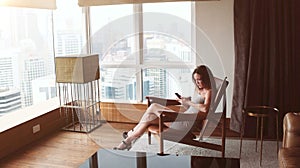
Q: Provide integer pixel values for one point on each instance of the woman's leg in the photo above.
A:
(136, 133)
(150, 117)
(140, 129)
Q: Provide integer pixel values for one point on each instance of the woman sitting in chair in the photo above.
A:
(205, 92)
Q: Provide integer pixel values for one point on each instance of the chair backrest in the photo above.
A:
(221, 86)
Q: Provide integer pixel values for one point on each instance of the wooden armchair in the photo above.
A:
(189, 137)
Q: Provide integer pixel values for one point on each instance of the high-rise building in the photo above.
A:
(6, 72)
(116, 83)
(34, 68)
(10, 100)
(157, 82)
(68, 43)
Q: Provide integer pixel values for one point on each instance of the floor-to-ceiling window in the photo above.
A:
(26, 58)
(144, 49)
(69, 28)
(168, 56)
(113, 38)
(30, 38)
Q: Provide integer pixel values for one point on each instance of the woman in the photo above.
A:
(200, 104)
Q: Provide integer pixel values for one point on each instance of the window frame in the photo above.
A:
(140, 64)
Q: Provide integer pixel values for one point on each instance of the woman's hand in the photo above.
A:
(184, 101)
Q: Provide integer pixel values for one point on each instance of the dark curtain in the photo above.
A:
(267, 59)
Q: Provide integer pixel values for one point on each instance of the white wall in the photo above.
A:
(215, 22)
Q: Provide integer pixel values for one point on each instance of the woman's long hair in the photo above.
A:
(206, 77)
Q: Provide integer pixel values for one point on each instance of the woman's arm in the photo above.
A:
(201, 107)
(184, 99)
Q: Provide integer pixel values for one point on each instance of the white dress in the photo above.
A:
(186, 125)
(154, 109)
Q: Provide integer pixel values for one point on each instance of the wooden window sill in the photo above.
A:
(23, 115)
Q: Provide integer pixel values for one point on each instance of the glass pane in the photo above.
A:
(162, 47)
(69, 29)
(167, 32)
(113, 36)
(26, 58)
(118, 84)
(165, 82)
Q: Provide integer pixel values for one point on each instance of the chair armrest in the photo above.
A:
(171, 116)
(162, 101)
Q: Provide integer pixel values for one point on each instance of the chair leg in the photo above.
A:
(149, 137)
(160, 133)
(161, 146)
(223, 136)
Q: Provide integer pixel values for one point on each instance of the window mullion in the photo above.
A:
(196, 59)
(87, 22)
(138, 21)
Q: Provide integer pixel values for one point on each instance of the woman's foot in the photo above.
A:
(123, 145)
(126, 134)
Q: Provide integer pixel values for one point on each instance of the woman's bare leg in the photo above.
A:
(138, 131)
(150, 117)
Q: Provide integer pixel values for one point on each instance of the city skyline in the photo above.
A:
(27, 57)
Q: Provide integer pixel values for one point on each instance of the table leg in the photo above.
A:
(242, 132)
(93, 160)
(277, 133)
(257, 128)
(261, 138)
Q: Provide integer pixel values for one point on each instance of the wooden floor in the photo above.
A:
(69, 149)
(64, 148)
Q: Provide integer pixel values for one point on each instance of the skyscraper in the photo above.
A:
(10, 100)
(34, 68)
(68, 43)
(6, 72)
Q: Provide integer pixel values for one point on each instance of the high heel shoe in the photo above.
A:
(126, 146)
(125, 134)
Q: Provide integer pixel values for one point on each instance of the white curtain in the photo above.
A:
(113, 2)
(42, 4)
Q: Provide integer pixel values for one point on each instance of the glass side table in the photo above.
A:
(260, 112)
(104, 158)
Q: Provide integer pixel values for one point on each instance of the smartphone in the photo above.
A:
(178, 95)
